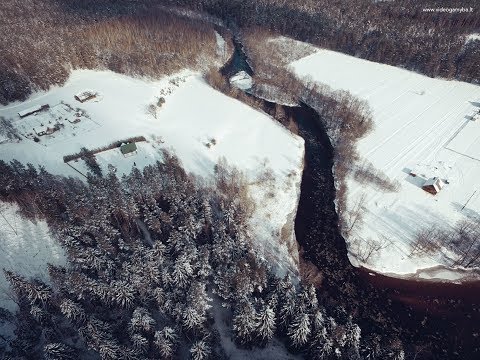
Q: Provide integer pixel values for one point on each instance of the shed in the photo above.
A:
(85, 95)
(44, 130)
(32, 110)
(433, 185)
(128, 148)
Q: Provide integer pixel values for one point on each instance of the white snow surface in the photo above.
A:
(242, 80)
(25, 247)
(422, 124)
(199, 124)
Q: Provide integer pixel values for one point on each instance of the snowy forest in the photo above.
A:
(398, 33)
(60, 35)
(154, 258)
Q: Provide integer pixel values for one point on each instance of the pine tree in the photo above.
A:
(72, 311)
(299, 330)
(266, 323)
(319, 322)
(58, 351)
(197, 297)
(245, 323)
(35, 291)
(38, 314)
(309, 297)
(142, 321)
(182, 271)
(122, 294)
(321, 347)
(370, 348)
(140, 343)
(353, 334)
(287, 300)
(166, 341)
(200, 350)
(192, 319)
(109, 350)
(287, 310)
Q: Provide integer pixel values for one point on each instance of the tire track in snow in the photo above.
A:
(404, 126)
(426, 139)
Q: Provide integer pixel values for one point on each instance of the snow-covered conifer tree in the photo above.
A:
(122, 293)
(319, 322)
(109, 350)
(245, 323)
(200, 350)
(182, 271)
(266, 323)
(142, 321)
(192, 319)
(300, 329)
(197, 297)
(166, 341)
(140, 343)
(321, 347)
(353, 334)
(287, 310)
(394, 351)
(58, 351)
(38, 314)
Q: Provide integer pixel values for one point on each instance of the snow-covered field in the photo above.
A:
(199, 124)
(423, 125)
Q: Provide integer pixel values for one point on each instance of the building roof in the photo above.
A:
(30, 110)
(40, 129)
(86, 94)
(128, 148)
(436, 182)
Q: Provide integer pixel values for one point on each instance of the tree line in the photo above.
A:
(41, 41)
(397, 33)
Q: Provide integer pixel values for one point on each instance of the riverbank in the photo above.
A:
(418, 312)
(433, 320)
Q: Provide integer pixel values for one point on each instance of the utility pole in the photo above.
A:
(468, 200)
(4, 218)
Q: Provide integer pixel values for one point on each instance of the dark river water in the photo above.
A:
(443, 316)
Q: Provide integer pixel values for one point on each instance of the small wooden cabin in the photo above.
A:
(433, 185)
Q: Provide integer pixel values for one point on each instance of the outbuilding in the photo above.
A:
(433, 185)
(32, 110)
(128, 148)
(85, 95)
(44, 130)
